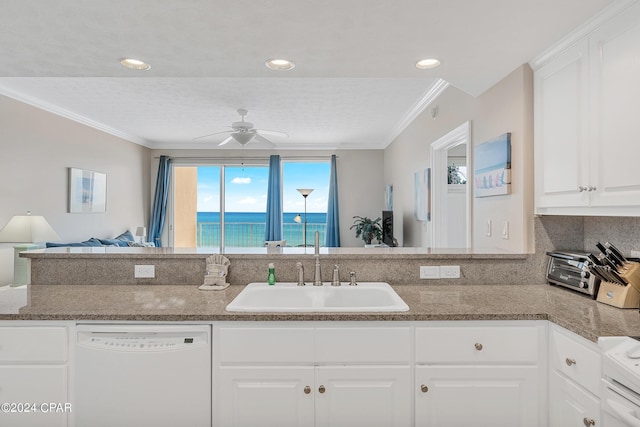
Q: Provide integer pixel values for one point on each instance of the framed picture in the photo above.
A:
(492, 167)
(422, 195)
(87, 191)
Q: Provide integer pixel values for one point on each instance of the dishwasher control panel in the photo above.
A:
(141, 342)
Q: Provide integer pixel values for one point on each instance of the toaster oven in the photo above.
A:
(570, 269)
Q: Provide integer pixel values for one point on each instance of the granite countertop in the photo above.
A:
(571, 310)
(264, 253)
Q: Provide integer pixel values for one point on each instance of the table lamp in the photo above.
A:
(25, 229)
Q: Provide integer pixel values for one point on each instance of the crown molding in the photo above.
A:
(581, 32)
(425, 100)
(54, 109)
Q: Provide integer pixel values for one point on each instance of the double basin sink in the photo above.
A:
(289, 297)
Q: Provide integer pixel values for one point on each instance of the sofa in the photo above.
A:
(125, 239)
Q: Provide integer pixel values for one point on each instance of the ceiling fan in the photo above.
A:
(244, 132)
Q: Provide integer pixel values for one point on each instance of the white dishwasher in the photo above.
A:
(143, 375)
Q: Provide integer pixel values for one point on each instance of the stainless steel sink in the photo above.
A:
(289, 297)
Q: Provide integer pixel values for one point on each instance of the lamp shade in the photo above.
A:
(305, 191)
(141, 231)
(28, 229)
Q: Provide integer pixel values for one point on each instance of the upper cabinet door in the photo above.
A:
(615, 105)
(561, 125)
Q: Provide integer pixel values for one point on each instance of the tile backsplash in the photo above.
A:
(573, 232)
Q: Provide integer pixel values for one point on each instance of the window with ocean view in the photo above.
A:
(198, 216)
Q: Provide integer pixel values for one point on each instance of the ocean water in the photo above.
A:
(246, 229)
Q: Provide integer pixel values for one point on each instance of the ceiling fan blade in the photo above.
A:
(225, 141)
(211, 134)
(260, 138)
(272, 132)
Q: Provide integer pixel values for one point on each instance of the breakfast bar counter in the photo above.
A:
(179, 303)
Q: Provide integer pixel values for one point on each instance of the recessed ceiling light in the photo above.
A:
(425, 64)
(279, 64)
(135, 64)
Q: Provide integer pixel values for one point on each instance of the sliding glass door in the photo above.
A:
(217, 206)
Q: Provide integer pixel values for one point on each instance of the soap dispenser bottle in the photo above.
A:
(271, 277)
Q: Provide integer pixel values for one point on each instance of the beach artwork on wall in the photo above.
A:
(492, 167)
(87, 191)
(422, 195)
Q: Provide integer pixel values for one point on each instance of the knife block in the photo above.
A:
(622, 296)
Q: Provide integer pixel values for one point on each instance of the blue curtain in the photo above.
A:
(273, 228)
(159, 212)
(332, 233)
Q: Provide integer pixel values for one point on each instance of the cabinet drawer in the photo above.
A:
(265, 345)
(485, 344)
(575, 357)
(33, 344)
(363, 345)
(570, 404)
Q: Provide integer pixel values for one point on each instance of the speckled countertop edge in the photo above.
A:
(182, 303)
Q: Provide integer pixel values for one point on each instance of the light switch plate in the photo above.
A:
(450, 271)
(429, 272)
(144, 272)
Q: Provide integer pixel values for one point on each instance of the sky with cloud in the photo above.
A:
(246, 187)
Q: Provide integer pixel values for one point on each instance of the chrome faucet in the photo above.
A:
(300, 268)
(317, 276)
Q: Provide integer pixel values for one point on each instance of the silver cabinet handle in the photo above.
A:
(307, 390)
(569, 361)
(588, 422)
(478, 346)
(581, 188)
(424, 388)
(590, 188)
(321, 389)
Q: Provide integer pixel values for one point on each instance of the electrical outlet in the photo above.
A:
(144, 272)
(450, 271)
(429, 272)
(505, 230)
(635, 254)
(488, 231)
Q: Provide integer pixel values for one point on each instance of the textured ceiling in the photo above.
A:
(354, 85)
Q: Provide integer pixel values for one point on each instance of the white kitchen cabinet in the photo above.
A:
(585, 100)
(292, 375)
(570, 405)
(352, 396)
(561, 129)
(574, 380)
(274, 396)
(34, 375)
(480, 374)
(614, 52)
(479, 396)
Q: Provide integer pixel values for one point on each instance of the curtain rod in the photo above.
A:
(250, 158)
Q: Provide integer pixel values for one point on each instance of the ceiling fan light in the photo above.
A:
(135, 64)
(243, 137)
(425, 64)
(279, 64)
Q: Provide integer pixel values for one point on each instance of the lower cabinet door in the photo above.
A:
(478, 396)
(363, 396)
(265, 396)
(570, 405)
(34, 395)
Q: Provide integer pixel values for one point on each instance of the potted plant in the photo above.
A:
(367, 228)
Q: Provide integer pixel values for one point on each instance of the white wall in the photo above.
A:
(360, 179)
(506, 107)
(37, 147)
